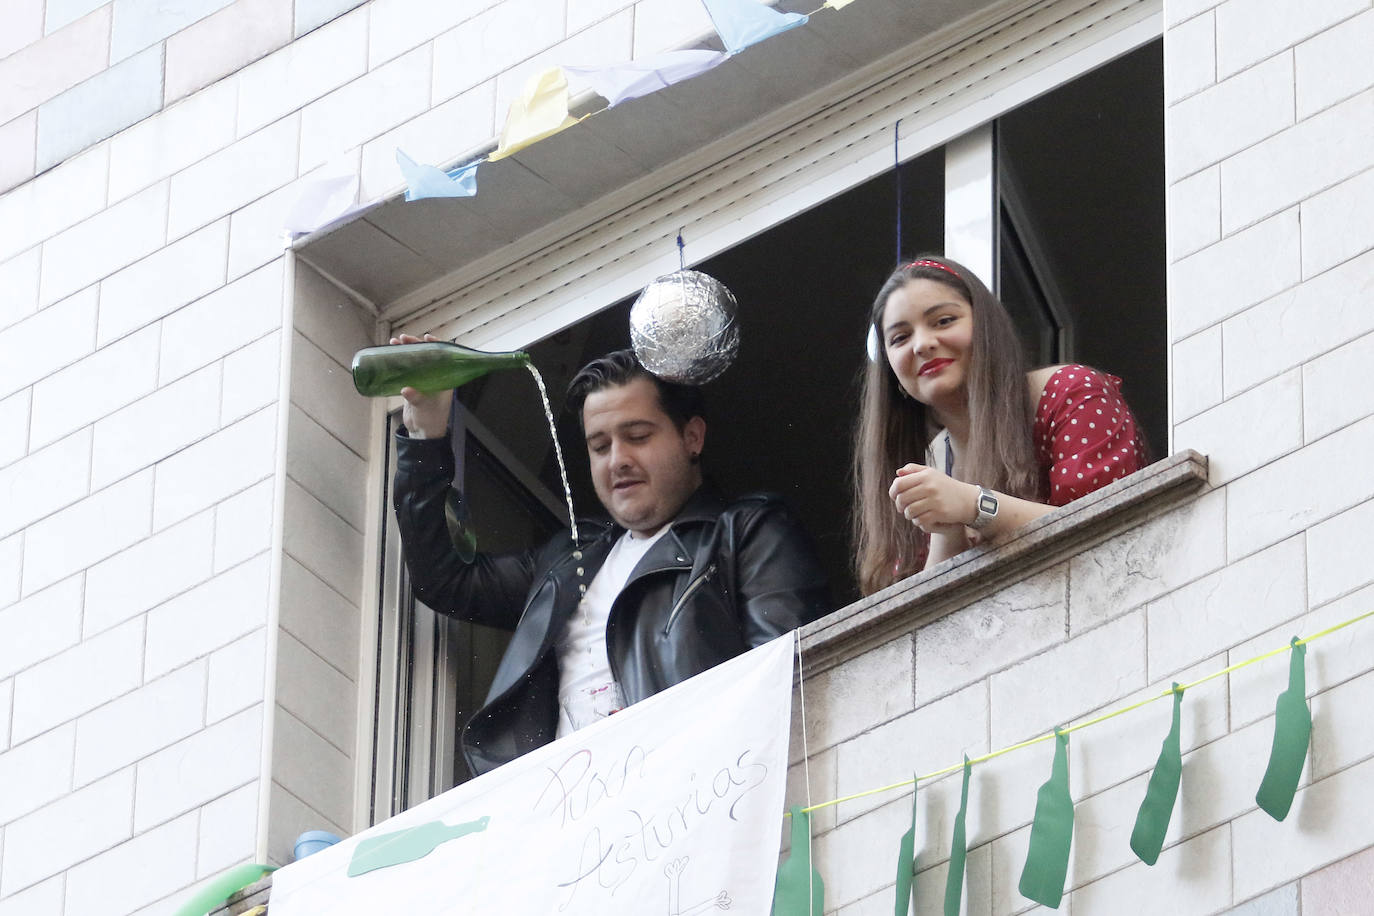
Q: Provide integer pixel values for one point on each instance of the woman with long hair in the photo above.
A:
(958, 439)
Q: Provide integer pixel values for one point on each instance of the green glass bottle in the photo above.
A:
(433, 365)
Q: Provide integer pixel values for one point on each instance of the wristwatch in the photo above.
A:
(987, 509)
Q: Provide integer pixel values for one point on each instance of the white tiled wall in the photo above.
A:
(315, 744)
(1129, 652)
(134, 874)
(70, 830)
(147, 156)
(223, 42)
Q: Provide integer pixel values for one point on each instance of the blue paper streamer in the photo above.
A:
(741, 23)
(424, 181)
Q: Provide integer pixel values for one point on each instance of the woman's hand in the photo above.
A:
(425, 415)
(936, 502)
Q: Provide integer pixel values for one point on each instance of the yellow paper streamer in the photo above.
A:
(539, 112)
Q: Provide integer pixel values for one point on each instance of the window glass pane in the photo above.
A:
(505, 516)
(433, 670)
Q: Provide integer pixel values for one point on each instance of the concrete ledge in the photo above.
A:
(974, 574)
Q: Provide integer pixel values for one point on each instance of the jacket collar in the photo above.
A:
(704, 505)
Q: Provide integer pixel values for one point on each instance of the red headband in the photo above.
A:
(926, 262)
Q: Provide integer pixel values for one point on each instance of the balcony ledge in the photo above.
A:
(961, 580)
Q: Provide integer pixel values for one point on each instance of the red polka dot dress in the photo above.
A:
(1085, 435)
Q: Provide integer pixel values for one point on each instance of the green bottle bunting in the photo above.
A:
(1292, 732)
(958, 850)
(1043, 877)
(797, 880)
(1047, 859)
(906, 865)
(1147, 839)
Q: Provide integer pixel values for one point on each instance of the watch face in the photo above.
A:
(987, 504)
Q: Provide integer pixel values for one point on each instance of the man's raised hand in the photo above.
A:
(425, 415)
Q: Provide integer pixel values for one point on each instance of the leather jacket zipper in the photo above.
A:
(688, 592)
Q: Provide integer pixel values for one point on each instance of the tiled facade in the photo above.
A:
(1113, 625)
(190, 485)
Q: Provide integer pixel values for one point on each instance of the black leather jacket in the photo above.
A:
(726, 578)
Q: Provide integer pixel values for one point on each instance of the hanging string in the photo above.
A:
(897, 170)
(681, 251)
(1096, 720)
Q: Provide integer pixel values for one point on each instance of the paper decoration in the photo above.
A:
(741, 23)
(1046, 868)
(540, 111)
(837, 4)
(424, 181)
(409, 845)
(221, 887)
(958, 850)
(797, 880)
(1047, 860)
(673, 799)
(1152, 821)
(906, 865)
(684, 327)
(1292, 732)
(320, 202)
(632, 79)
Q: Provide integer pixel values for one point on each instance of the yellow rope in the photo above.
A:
(1093, 721)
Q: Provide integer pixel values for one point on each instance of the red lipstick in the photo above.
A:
(933, 366)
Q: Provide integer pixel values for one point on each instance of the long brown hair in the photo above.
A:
(894, 429)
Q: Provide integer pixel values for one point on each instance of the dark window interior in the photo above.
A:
(1085, 163)
(1082, 269)
(780, 418)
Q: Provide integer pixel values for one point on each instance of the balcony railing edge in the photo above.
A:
(1069, 530)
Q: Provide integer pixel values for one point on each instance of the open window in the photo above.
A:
(1078, 256)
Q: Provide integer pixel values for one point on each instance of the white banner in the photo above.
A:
(672, 806)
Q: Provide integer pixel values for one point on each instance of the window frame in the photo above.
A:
(515, 304)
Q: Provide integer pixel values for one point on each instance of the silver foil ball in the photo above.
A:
(684, 327)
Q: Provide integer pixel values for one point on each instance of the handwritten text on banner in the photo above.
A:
(668, 807)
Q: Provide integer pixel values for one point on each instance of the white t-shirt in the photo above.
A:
(586, 689)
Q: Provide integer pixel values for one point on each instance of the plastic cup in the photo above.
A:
(312, 841)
